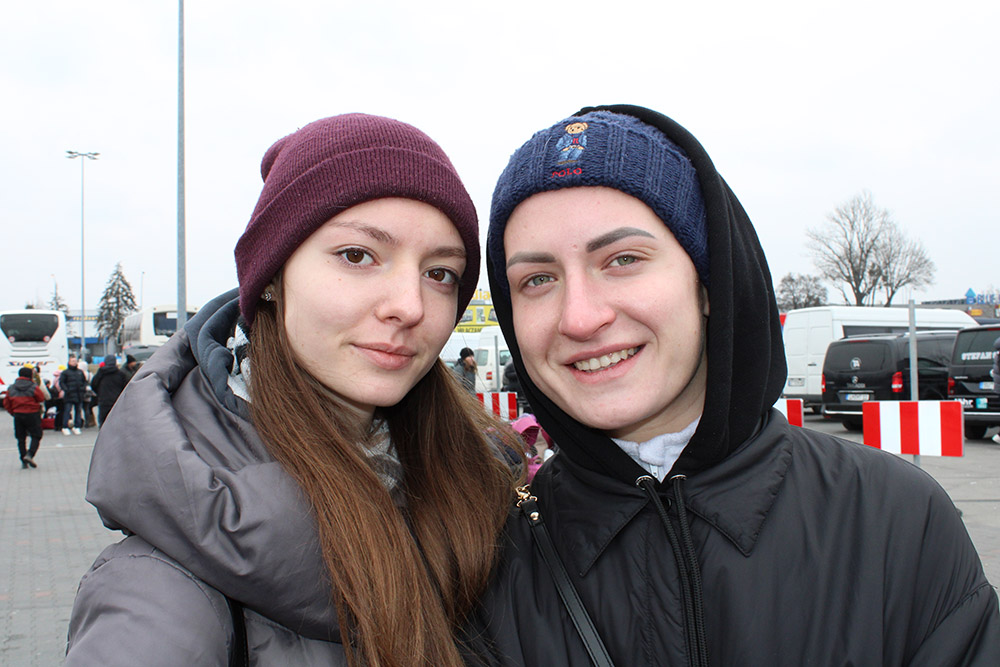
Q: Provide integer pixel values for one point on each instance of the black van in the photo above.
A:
(969, 378)
(877, 368)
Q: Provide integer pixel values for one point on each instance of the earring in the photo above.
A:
(268, 296)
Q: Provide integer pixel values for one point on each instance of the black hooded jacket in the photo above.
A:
(766, 544)
(108, 383)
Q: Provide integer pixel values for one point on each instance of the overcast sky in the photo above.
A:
(801, 105)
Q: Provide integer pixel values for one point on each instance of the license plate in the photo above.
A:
(856, 397)
(796, 382)
(986, 386)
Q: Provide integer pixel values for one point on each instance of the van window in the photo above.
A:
(974, 347)
(871, 329)
(482, 356)
(857, 355)
(504, 357)
(931, 352)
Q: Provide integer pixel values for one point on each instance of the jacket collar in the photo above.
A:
(733, 497)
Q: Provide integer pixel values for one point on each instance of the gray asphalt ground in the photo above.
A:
(49, 535)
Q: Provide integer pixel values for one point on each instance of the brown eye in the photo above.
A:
(356, 256)
(442, 276)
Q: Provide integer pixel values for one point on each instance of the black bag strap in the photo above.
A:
(240, 655)
(528, 505)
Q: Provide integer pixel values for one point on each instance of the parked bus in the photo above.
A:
(36, 337)
(151, 327)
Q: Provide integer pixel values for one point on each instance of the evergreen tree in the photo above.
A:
(57, 302)
(116, 303)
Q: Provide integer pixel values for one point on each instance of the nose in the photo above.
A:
(402, 299)
(585, 309)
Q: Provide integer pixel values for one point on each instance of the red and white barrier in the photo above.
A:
(924, 428)
(792, 409)
(503, 404)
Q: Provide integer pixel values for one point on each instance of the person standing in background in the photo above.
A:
(465, 369)
(73, 383)
(108, 383)
(131, 366)
(24, 400)
(57, 396)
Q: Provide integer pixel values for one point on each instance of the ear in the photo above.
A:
(703, 293)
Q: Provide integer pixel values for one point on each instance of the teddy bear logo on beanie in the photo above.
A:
(572, 144)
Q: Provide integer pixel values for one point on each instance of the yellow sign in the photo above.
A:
(477, 316)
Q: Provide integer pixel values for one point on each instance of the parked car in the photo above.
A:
(969, 378)
(140, 352)
(808, 331)
(877, 368)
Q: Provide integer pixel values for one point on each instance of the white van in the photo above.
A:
(808, 331)
(492, 354)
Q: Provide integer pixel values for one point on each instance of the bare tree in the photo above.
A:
(845, 249)
(901, 262)
(798, 290)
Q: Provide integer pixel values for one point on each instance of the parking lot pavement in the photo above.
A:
(49, 535)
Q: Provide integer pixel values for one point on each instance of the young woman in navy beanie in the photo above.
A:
(298, 473)
(697, 526)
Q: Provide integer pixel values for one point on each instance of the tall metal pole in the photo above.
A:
(914, 371)
(181, 259)
(83, 310)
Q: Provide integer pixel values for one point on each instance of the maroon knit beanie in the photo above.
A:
(333, 164)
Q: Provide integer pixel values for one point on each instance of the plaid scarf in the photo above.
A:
(379, 448)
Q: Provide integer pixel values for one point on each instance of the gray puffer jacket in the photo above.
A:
(208, 513)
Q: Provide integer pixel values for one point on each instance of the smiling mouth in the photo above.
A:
(604, 361)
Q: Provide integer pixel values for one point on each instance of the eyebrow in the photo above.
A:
(374, 232)
(530, 258)
(592, 246)
(443, 251)
(616, 235)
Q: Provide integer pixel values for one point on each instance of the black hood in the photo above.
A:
(746, 359)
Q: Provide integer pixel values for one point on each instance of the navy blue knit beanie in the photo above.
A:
(613, 150)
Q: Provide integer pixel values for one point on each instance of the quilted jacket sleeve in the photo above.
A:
(136, 606)
(968, 636)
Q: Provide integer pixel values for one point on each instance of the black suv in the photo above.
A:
(969, 378)
(877, 368)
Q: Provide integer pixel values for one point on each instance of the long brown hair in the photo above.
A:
(403, 580)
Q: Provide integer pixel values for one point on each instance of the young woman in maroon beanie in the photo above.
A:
(305, 424)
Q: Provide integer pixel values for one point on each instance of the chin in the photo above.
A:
(606, 423)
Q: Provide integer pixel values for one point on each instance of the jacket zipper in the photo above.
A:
(687, 567)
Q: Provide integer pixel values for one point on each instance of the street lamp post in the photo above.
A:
(72, 155)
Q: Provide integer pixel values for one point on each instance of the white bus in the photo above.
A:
(151, 327)
(36, 337)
